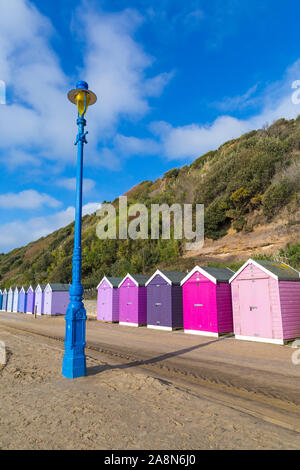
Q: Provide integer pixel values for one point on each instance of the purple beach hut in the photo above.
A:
(22, 300)
(30, 300)
(133, 300)
(108, 299)
(56, 299)
(164, 300)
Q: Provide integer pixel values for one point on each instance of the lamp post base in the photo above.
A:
(74, 367)
(74, 361)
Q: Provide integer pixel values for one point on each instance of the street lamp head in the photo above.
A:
(82, 97)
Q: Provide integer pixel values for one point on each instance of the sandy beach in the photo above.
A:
(113, 408)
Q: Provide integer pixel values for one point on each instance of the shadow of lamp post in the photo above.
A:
(74, 362)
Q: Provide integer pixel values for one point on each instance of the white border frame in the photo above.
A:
(125, 323)
(160, 273)
(201, 271)
(202, 333)
(107, 280)
(258, 339)
(259, 266)
(157, 327)
(130, 277)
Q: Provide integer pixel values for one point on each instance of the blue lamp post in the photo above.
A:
(74, 363)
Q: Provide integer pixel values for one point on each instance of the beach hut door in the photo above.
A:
(255, 308)
(198, 300)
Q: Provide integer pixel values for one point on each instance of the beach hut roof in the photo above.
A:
(5, 291)
(24, 289)
(214, 274)
(57, 287)
(16, 289)
(172, 277)
(139, 279)
(112, 281)
(279, 271)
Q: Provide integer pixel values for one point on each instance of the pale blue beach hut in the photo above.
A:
(4, 300)
(10, 300)
(39, 299)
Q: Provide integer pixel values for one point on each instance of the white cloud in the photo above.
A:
(18, 233)
(130, 146)
(90, 208)
(238, 102)
(29, 199)
(193, 140)
(70, 184)
(115, 67)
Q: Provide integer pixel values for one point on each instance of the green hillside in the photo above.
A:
(247, 182)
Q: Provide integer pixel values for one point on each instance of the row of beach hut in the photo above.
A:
(44, 299)
(260, 302)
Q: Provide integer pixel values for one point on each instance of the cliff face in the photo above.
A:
(250, 187)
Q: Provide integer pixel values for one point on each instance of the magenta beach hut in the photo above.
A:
(39, 299)
(207, 308)
(56, 299)
(108, 299)
(133, 300)
(164, 300)
(30, 300)
(266, 302)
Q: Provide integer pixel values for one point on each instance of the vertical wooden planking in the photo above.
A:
(290, 308)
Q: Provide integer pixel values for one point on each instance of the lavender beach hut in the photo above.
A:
(164, 300)
(266, 302)
(4, 300)
(56, 299)
(108, 299)
(207, 308)
(133, 300)
(30, 300)
(39, 299)
(10, 300)
(22, 302)
(16, 299)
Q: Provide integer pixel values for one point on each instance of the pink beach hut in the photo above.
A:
(108, 299)
(133, 300)
(207, 308)
(266, 302)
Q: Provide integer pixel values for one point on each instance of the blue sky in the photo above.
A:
(174, 79)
